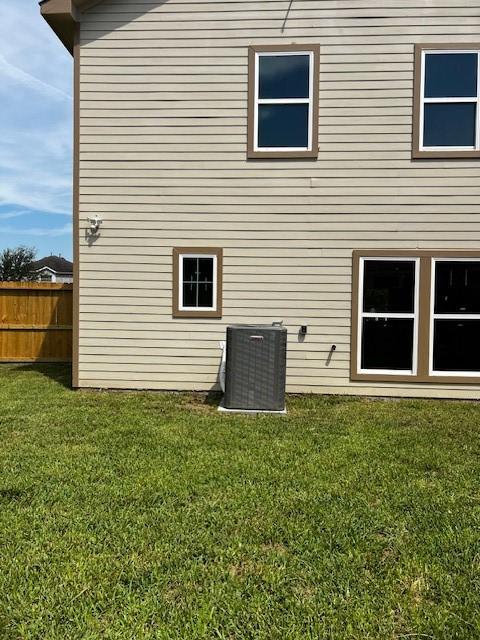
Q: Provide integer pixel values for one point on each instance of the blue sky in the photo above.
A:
(35, 132)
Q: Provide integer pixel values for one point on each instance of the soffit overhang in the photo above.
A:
(63, 15)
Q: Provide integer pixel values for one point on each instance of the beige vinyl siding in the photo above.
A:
(163, 114)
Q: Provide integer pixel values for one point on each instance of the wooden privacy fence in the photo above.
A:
(35, 322)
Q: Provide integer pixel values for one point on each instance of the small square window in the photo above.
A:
(447, 101)
(283, 102)
(197, 282)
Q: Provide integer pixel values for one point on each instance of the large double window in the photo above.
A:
(447, 101)
(283, 101)
(416, 317)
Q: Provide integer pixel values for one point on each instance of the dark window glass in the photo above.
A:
(190, 295)
(284, 76)
(198, 282)
(205, 294)
(449, 124)
(456, 345)
(389, 287)
(190, 269)
(457, 287)
(387, 343)
(450, 75)
(283, 125)
(205, 269)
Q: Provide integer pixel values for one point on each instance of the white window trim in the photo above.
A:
(181, 306)
(361, 314)
(473, 99)
(309, 100)
(447, 316)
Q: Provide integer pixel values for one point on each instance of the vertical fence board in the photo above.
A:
(35, 322)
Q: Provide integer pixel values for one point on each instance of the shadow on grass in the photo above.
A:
(213, 397)
(12, 494)
(59, 372)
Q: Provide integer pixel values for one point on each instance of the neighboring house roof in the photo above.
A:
(56, 264)
(63, 15)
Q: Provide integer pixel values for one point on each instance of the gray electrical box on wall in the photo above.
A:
(256, 367)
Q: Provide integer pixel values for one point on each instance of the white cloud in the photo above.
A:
(27, 42)
(18, 75)
(52, 233)
(14, 214)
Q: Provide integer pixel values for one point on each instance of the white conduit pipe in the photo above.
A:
(223, 365)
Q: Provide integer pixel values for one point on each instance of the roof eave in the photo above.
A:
(63, 15)
(45, 268)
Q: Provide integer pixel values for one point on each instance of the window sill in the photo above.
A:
(196, 314)
(282, 154)
(414, 379)
(440, 155)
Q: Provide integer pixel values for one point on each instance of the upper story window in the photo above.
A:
(197, 282)
(283, 101)
(447, 101)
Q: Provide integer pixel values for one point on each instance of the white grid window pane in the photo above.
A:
(197, 289)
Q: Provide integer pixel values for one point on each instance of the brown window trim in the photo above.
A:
(423, 317)
(417, 86)
(312, 153)
(176, 256)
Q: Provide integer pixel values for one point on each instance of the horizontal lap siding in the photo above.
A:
(162, 160)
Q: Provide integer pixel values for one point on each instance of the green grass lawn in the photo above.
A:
(147, 515)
